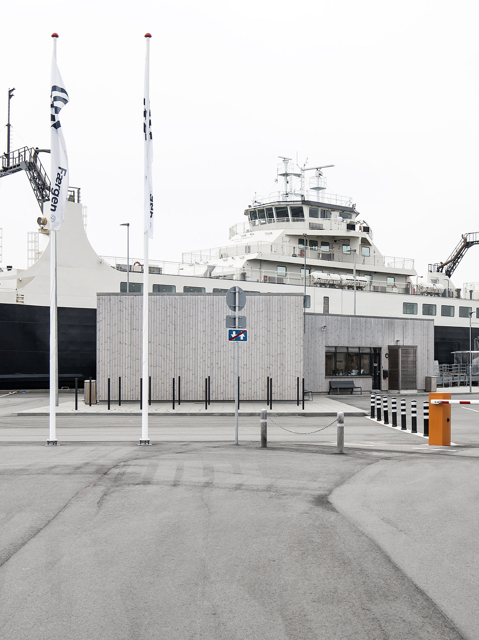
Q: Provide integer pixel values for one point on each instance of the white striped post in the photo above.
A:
(373, 403)
(385, 410)
(403, 415)
(378, 408)
(413, 416)
(425, 412)
(394, 412)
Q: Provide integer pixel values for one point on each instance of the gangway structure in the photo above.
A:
(27, 159)
(450, 265)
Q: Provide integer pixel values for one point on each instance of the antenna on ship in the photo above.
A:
(288, 169)
(317, 182)
(9, 126)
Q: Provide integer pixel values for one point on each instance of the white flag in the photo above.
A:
(148, 153)
(59, 175)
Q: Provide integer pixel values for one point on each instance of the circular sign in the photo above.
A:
(235, 298)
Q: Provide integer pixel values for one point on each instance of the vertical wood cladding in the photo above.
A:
(188, 338)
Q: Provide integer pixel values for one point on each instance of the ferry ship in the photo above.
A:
(300, 238)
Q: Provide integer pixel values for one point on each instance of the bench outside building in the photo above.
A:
(348, 385)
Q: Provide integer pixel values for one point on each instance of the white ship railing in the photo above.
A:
(312, 195)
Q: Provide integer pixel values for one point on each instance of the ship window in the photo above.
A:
(270, 213)
(282, 213)
(348, 361)
(297, 212)
(220, 290)
(281, 271)
(302, 242)
(390, 281)
(368, 277)
(409, 307)
(346, 216)
(313, 244)
(477, 312)
(325, 213)
(325, 246)
(302, 273)
(313, 212)
(326, 304)
(135, 287)
(428, 309)
(253, 215)
(464, 312)
(346, 248)
(261, 216)
(194, 290)
(366, 251)
(164, 288)
(447, 310)
(307, 302)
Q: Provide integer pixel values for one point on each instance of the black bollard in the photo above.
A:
(141, 394)
(267, 392)
(206, 393)
(270, 393)
(394, 412)
(90, 392)
(119, 392)
(108, 394)
(403, 415)
(76, 394)
(173, 394)
(264, 428)
(179, 390)
(425, 411)
(378, 408)
(385, 410)
(303, 396)
(297, 391)
(413, 416)
(209, 391)
(373, 405)
(149, 390)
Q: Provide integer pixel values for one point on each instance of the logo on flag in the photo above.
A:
(59, 171)
(148, 152)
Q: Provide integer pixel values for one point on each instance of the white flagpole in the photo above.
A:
(52, 436)
(147, 232)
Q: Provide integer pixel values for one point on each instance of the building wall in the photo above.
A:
(360, 331)
(188, 338)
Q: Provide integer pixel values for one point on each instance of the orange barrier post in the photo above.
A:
(440, 420)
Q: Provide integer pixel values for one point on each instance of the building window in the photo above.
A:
(366, 251)
(447, 310)
(325, 246)
(164, 288)
(135, 287)
(325, 304)
(464, 312)
(313, 212)
(347, 248)
(348, 361)
(194, 290)
(281, 271)
(325, 213)
(428, 309)
(409, 307)
(390, 281)
(282, 213)
(307, 302)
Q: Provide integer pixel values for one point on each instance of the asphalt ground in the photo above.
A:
(195, 537)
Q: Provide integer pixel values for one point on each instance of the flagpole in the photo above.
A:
(52, 436)
(147, 231)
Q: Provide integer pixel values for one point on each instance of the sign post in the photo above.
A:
(236, 300)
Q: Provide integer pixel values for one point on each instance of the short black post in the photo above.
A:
(425, 411)
(119, 392)
(76, 394)
(90, 392)
(238, 393)
(403, 415)
(264, 428)
(385, 410)
(394, 411)
(209, 391)
(108, 394)
(173, 403)
(303, 395)
(267, 392)
(141, 394)
(179, 390)
(373, 405)
(271, 393)
(297, 391)
(206, 393)
(149, 390)
(413, 416)
(378, 407)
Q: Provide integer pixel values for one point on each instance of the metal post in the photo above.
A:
(340, 432)
(425, 411)
(303, 397)
(239, 393)
(90, 393)
(149, 390)
(267, 391)
(108, 394)
(354, 276)
(236, 366)
(141, 394)
(270, 393)
(209, 390)
(179, 390)
(403, 415)
(378, 407)
(10, 96)
(394, 411)
(470, 351)
(127, 225)
(76, 394)
(297, 391)
(264, 428)
(173, 402)
(206, 393)
(373, 405)
(119, 391)
(413, 416)
(385, 410)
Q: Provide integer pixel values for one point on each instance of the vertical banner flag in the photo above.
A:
(59, 176)
(148, 149)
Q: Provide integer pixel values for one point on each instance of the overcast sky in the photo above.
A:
(385, 91)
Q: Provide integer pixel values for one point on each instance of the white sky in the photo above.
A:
(386, 91)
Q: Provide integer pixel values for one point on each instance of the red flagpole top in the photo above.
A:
(147, 35)
(54, 35)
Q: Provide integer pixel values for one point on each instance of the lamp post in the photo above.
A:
(127, 225)
(470, 351)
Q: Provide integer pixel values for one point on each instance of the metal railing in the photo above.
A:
(311, 195)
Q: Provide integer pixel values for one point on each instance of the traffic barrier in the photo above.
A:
(340, 432)
(403, 414)
(373, 403)
(264, 428)
(385, 410)
(440, 418)
(413, 416)
(378, 408)
(425, 413)
(394, 412)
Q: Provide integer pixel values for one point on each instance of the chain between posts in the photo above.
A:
(11, 393)
(302, 433)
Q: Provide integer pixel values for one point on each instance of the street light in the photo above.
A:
(470, 351)
(127, 225)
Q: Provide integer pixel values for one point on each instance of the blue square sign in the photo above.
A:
(237, 335)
